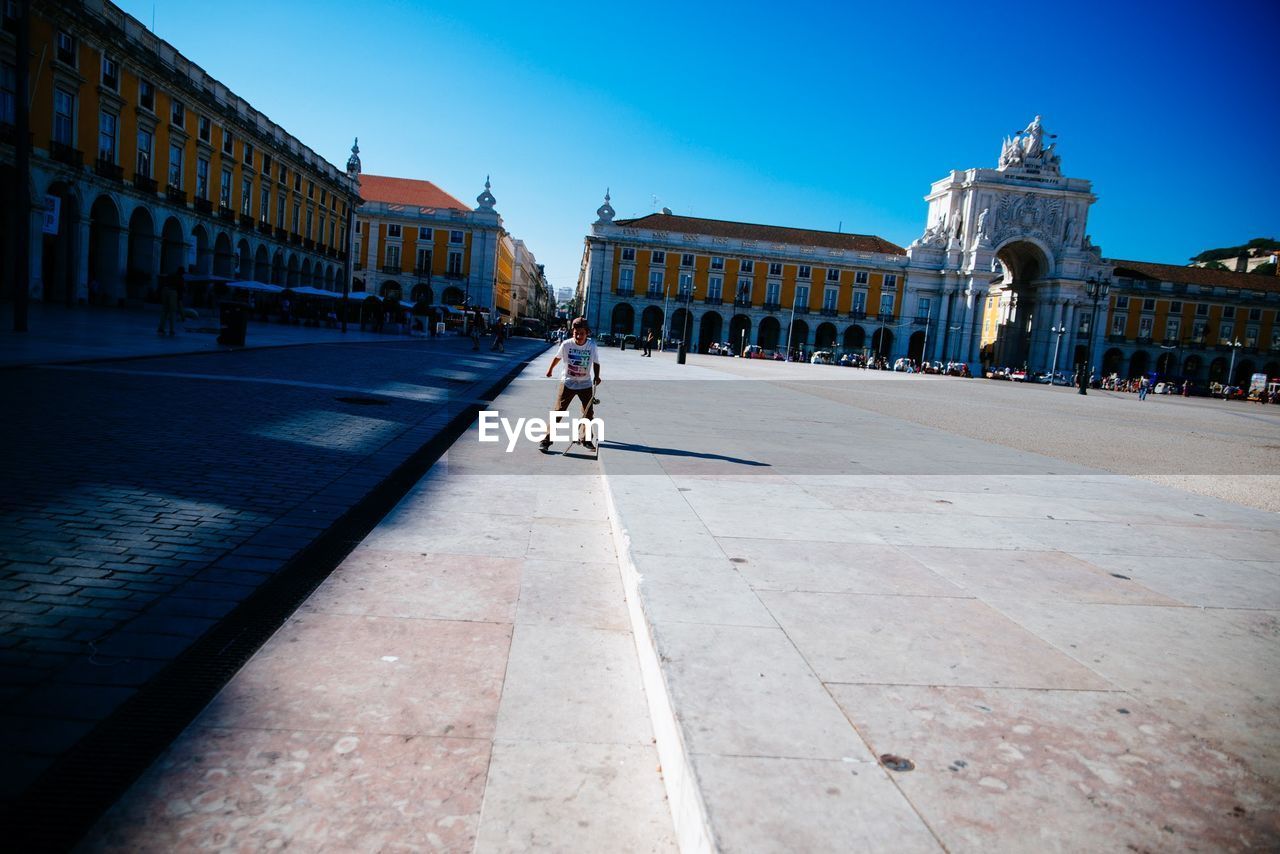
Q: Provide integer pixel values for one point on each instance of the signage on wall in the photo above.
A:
(52, 207)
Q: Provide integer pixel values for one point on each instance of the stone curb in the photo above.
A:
(688, 808)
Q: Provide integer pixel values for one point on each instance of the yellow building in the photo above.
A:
(143, 164)
(415, 242)
(729, 282)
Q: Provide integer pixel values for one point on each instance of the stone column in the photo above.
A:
(943, 322)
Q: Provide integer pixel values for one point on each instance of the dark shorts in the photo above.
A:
(567, 395)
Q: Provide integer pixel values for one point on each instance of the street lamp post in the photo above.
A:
(1057, 345)
(795, 292)
(1096, 289)
(1235, 345)
(666, 318)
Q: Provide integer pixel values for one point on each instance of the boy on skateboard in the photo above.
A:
(581, 376)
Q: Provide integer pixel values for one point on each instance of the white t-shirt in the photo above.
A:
(578, 361)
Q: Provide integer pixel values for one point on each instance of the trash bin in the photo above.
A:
(233, 322)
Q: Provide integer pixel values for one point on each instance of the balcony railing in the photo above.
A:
(626, 292)
(203, 206)
(712, 301)
(422, 271)
(175, 195)
(107, 169)
(1115, 339)
(857, 314)
(295, 239)
(654, 295)
(742, 302)
(226, 213)
(828, 312)
(1170, 342)
(246, 222)
(264, 226)
(771, 306)
(308, 243)
(1144, 339)
(391, 269)
(884, 317)
(64, 153)
(280, 234)
(357, 266)
(921, 320)
(801, 309)
(145, 184)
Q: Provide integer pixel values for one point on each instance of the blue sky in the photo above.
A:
(803, 114)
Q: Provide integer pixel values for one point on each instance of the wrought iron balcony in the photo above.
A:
(391, 269)
(1144, 339)
(422, 272)
(264, 226)
(654, 295)
(280, 234)
(107, 169)
(308, 243)
(857, 314)
(921, 320)
(1170, 342)
(246, 222)
(828, 312)
(712, 301)
(203, 206)
(64, 153)
(145, 184)
(626, 292)
(771, 306)
(802, 309)
(1115, 339)
(226, 213)
(295, 239)
(742, 302)
(884, 317)
(175, 195)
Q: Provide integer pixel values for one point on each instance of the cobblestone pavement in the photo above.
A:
(141, 501)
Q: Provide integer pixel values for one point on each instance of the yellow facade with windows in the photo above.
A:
(154, 166)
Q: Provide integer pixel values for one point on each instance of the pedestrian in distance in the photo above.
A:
(499, 336)
(580, 377)
(1143, 385)
(170, 302)
(649, 342)
(475, 332)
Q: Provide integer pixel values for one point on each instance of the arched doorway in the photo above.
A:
(770, 333)
(1191, 367)
(59, 260)
(1081, 355)
(651, 321)
(453, 296)
(140, 275)
(710, 328)
(1023, 263)
(1218, 370)
(204, 259)
(244, 260)
(330, 275)
(277, 268)
(623, 319)
(915, 346)
(1112, 361)
(681, 325)
(1139, 363)
(855, 338)
(799, 335)
(261, 271)
(291, 271)
(1244, 372)
(740, 332)
(224, 260)
(173, 247)
(104, 248)
(1271, 369)
(1166, 365)
(304, 277)
(882, 342)
(390, 289)
(825, 337)
(421, 292)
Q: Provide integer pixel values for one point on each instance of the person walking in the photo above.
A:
(1143, 385)
(499, 336)
(649, 341)
(170, 302)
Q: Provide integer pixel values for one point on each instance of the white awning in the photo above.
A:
(255, 286)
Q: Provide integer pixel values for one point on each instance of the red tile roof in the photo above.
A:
(764, 233)
(1196, 276)
(406, 191)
